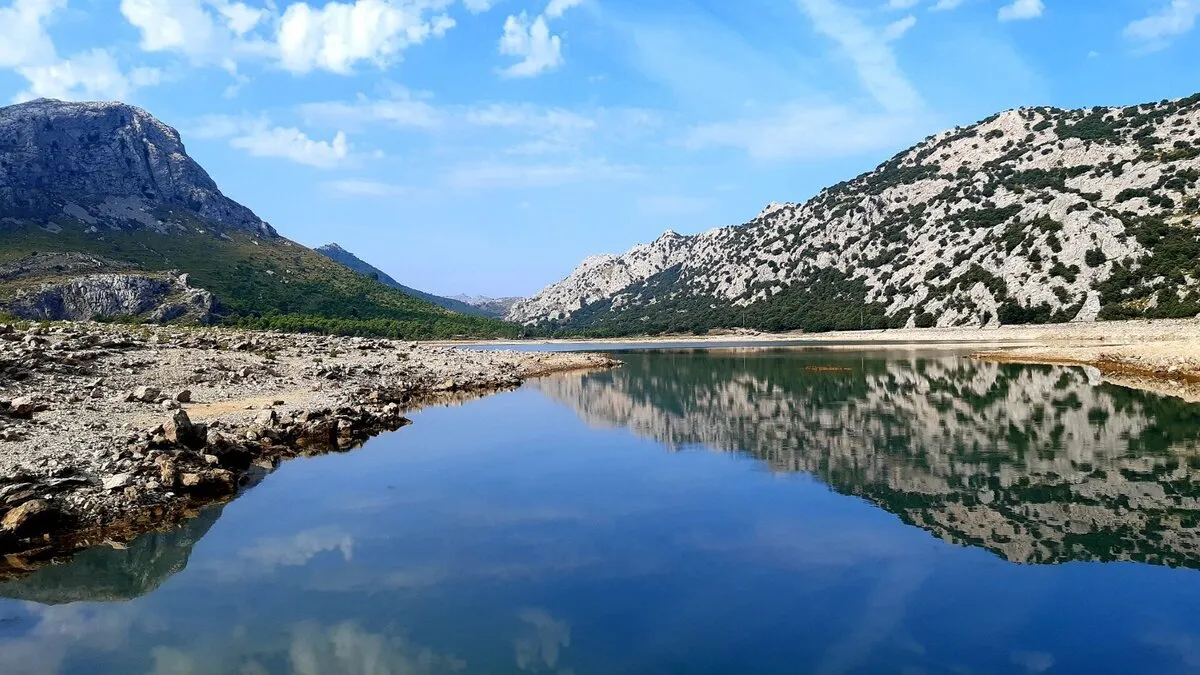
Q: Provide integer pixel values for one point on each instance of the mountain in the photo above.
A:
(103, 214)
(340, 255)
(493, 307)
(1031, 216)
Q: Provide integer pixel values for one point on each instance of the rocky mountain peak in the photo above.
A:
(1033, 215)
(106, 164)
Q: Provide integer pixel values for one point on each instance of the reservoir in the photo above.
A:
(730, 510)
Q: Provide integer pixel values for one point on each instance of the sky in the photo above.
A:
(487, 146)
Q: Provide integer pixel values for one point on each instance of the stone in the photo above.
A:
(184, 396)
(22, 407)
(33, 515)
(168, 473)
(171, 404)
(265, 418)
(147, 394)
(179, 429)
(118, 481)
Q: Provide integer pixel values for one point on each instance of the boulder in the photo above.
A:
(180, 430)
(147, 394)
(118, 481)
(22, 407)
(31, 517)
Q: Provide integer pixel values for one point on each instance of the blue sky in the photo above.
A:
(486, 146)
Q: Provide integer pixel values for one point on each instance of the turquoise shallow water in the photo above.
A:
(720, 511)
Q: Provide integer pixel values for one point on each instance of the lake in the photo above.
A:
(752, 511)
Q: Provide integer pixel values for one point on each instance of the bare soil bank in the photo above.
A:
(109, 431)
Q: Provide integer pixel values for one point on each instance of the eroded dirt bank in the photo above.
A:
(109, 431)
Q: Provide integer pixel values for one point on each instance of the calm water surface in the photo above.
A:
(726, 511)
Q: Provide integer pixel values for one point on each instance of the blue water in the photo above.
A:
(778, 512)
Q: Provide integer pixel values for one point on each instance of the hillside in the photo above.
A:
(104, 216)
(494, 307)
(1035, 215)
(340, 255)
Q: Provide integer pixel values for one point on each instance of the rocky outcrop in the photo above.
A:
(494, 307)
(108, 165)
(1032, 216)
(156, 298)
(601, 277)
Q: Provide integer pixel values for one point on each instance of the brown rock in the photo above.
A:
(30, 517)
(179, 429)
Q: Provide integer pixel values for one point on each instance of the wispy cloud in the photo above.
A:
(500, 175)
(898, 28)
(365, 188)
(1156, 31)
(872, 57)
(809, 131)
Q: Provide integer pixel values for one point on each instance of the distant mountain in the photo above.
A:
(494, 307)
(338, 254)
(1035, 215)
(103, 214)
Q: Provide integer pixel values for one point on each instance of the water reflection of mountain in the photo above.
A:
(1037, 464)
(104, 574)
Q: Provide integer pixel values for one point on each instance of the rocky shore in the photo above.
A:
(109, 431)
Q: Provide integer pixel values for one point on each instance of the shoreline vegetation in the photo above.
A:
(110, 431)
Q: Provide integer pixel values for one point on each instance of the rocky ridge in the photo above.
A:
(110, 165)
(106, 431)
(108, 198)
(1034, 215)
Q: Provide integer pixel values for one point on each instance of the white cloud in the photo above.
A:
(23, 38)
(260, 138)
(557, 8)
(339, 35)
(538, 50)
(333, 36)
(292, 144)
(902, 4)
(1021, 9)
(871, 56)
(240, 18)
(945, 5)
(26, 48)
(478, 6)
(1171, 21)
(898, 28)
(181, 26)
(801, 131)
(90, 75)
(365, 188)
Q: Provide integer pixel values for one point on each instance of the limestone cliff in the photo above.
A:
(1031, 216)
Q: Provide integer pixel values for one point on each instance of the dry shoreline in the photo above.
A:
(1160, 355)
(107, 432)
